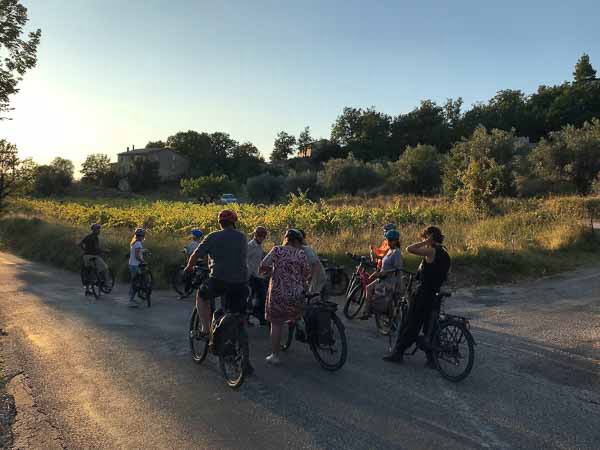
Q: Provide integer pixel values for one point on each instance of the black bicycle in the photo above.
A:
(448, 339)
(143, 283)
(323, 331)
(337, 279)
(185, 283)
(225, 341)
(96, 282)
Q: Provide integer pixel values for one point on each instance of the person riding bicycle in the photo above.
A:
(228, 279)
(318, 275)
(377, 253)
(91, 250)
(190, 248)
(257, 281)
(432, 273)
(136, 257)
(385, 280)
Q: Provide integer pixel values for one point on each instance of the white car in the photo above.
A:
(228, 198)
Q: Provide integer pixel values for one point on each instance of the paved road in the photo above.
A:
(103, 376)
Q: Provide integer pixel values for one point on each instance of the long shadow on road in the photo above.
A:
(518, 396)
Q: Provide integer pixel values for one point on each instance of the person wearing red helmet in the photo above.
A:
(228, 279)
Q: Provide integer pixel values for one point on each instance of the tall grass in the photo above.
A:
(523, 238)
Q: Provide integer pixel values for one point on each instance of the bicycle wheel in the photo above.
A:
(354, 301)
(198, 342)
(454, 350)
(332, 355)
(144, 291)
(288, 338)
(108, 283)
(396, 323)
(232, 362)
(383, 323)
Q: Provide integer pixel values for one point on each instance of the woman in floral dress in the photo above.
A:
(290, 274)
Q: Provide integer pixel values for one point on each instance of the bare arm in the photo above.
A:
(139, 255)
(422, 249)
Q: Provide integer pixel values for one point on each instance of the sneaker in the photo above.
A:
(273, 359)
(394, 357)
(132, 304)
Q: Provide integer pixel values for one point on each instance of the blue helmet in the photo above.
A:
(140, 232)
(197, 233)
(392, 235)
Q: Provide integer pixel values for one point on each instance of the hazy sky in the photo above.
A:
(114, 73)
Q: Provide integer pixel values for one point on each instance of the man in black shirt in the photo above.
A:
(91, 249)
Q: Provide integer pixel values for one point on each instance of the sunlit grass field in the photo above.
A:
(520, 238)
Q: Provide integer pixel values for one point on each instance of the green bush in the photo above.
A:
(208, 188)
(265, 188)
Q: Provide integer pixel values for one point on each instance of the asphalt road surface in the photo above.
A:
(95, 374)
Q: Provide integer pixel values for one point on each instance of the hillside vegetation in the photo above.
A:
(521, 238)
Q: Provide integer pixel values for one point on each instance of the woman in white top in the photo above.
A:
(136, 257)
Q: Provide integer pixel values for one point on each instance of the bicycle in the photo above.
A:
(228, 350)
(317, 328)
(143, 283)
(390, 321)
(357, 287)
(185, 283)
(94, 281)
(337, 279)
(448, 339)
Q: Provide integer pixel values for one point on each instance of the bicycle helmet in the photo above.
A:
(392, 235)
(228, 215)
(260, 231)
(294, 235)
(197, 233)
(389, 226)
(95, 226)
(140, 232)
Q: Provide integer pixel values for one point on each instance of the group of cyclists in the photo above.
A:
(281, 278)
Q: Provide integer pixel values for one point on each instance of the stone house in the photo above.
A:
(171, 165)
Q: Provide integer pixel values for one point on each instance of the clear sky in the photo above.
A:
(115, 73)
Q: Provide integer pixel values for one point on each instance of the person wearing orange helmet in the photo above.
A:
(228, 279)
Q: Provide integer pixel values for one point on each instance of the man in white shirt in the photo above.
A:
(256, 281)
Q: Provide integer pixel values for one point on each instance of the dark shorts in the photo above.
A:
(233, 295)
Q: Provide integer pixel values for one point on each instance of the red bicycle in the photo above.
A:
(357, 288)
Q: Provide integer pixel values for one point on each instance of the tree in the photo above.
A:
(208, 188)
(95, 168)
(364, 133)
(348, 176)
(571, 155)
(18, 55)
(482, 166)
(418, 170)
(265, 188)
(305, 142)
(303, 182)
(584, 70)
(208, 153)
(143, 175)
(427, 124)
(53, 178)
(156, 144)
(244, 161)
(283, 147)
(15, 174)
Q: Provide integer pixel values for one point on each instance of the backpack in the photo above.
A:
(224, 334)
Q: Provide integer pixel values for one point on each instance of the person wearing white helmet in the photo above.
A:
(136, 257)
(91, 250)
